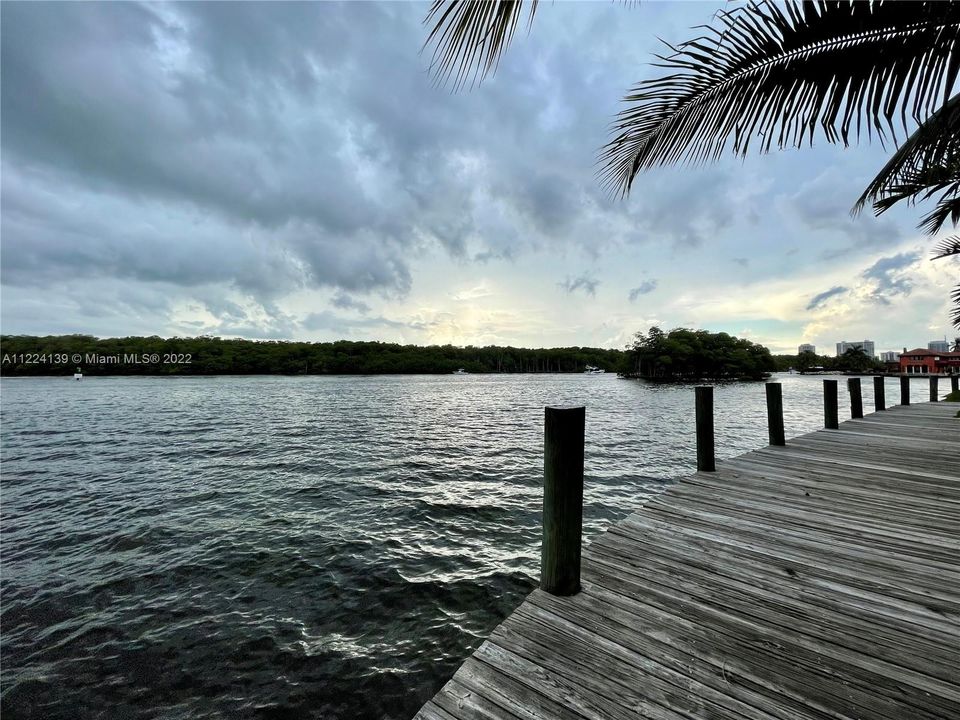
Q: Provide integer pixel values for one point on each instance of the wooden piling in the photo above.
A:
(775, 413)
(879, 394)
(563, 440)
(904, 390)
(830, 414)
(934, 391)
(954, 383)
(856, 398)
(705, 445)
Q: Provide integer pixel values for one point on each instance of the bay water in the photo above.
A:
(304, 547)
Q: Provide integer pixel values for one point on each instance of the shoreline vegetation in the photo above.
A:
(682, 355)
(24, 355)
(679, 355)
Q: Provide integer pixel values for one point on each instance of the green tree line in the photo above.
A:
(853, 360)
(680, 354)
(57, 355)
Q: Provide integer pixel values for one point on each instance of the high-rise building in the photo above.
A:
(807, 347)
(865, 345)
(938, 346)
(891, 356)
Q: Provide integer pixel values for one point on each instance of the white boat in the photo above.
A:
(593, 370)
(78, 375)
(460, 371)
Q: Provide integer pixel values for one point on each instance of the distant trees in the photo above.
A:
(854, 360)
(684, 354)
(805, 361)
(55, 355)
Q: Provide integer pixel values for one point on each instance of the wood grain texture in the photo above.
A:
(817, 580)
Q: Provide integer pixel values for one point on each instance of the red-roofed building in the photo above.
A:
(929, 362)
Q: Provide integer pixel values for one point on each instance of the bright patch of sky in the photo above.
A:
(290, 171)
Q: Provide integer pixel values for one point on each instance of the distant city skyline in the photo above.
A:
(868, 347)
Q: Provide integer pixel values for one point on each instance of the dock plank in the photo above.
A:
(815, 581)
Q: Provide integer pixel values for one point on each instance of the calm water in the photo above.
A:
(272, 547)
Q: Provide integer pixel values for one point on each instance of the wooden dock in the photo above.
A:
(816, 580)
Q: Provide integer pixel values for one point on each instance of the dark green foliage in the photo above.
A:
(848, 362)
(856, 360)
(807, 360)
(684, 354)
(213, 355)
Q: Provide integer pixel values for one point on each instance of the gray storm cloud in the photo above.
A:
(644, 288)
(820, 299)
(584, 283)
(201, 154)
(887, 276)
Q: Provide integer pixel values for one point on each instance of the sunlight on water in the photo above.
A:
(236, 547)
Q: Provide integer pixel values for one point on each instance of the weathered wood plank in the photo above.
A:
(794, 560)
(863, 559)
(776, 605)
(935, 545)
(645, 654)
(909, 488)
(938, 513)
(861, 488)
(831, 586)
(784, 670)
(579, 650)
(832, 669)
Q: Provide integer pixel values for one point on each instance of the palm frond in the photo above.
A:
(946, 247)
(926, 164)
(469, 36)
(955, 317)
(769, 74)
(924, 184)
(947, 207)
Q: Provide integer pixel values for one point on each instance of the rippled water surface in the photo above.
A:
(274, 547)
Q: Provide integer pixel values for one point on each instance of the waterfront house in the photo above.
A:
(929, 362)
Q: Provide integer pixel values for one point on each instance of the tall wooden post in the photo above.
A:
(904, 390)
(775, 413)
(704, 404)
(879, 394)
(955, 383)
(934, 392)
(563, 433)
(830, 405)
(856, 398)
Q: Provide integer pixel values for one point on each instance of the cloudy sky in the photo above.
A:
(291, 171)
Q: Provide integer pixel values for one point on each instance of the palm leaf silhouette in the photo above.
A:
(928, 163)
(469, 36)
(947, 246)
(769, 76)
(955, 313)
